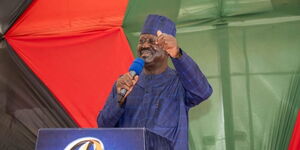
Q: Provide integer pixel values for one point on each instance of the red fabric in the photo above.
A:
(78, 69)
(77, 48)
(67, 16)
(295, 140)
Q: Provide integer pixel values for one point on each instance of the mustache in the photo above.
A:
(152, 50)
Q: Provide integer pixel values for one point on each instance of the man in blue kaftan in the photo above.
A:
(159, 98)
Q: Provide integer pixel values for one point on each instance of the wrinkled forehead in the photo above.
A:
(148, 36)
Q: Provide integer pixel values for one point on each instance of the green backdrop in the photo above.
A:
(250, 52)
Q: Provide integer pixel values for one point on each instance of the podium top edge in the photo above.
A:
(44, 129)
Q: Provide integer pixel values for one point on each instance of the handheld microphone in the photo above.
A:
(135, 69)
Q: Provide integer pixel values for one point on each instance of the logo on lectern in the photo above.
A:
(85, 143)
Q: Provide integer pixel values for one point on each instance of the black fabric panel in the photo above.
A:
(25, 104)
(10, 10)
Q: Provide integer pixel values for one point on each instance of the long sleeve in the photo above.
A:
(193, 80)
(112, 112)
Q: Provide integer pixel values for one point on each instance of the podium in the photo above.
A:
(100, 139)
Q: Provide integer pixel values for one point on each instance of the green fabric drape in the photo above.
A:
(250, 51)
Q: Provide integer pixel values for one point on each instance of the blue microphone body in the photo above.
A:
(135, 69)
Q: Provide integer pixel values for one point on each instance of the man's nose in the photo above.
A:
(146, 45)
